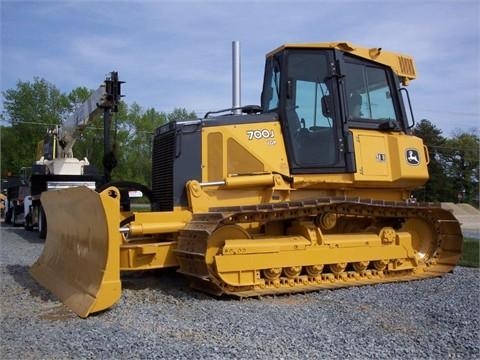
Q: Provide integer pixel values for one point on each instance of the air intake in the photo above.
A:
(163, 156)
(407, 67)
(176, 159)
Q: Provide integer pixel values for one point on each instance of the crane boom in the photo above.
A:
(104, 98)
(74, 125)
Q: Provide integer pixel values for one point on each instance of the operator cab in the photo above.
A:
(320, 93)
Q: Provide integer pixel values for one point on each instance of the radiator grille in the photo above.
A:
(162, 170)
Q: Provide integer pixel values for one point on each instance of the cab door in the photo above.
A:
(311, 113)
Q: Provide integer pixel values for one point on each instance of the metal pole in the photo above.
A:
(106, 144)
(236, 85)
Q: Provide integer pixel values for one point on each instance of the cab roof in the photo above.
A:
(403, 65)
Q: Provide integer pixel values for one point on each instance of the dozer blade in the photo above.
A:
(80, 260)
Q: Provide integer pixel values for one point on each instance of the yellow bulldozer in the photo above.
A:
(311, 190)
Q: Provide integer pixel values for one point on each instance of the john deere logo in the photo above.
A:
(412, 157)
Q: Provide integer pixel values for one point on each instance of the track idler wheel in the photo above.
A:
(424, 240)
(217, 240)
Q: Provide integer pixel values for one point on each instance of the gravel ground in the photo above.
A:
(158, 316)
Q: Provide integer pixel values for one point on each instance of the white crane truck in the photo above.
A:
(57, 168)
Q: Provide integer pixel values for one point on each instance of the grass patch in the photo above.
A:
(471, 254)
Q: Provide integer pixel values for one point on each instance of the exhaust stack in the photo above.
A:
(236, 85)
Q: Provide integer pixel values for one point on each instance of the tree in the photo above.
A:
(30, 109)
(135, 151)
(454, 165)
(179, 114)
(462, 156)
(437, 188)
(77, 96)
(135, 134)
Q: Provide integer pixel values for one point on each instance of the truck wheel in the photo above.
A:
(42, 224)
(8, 216)
(28, 222)
(17, 215)
(14, 216)
(124, 187)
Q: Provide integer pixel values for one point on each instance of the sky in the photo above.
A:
(178, 53)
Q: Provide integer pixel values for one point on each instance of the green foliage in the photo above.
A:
(454, 165)
(135, 150)
(438, 188)
(31, 108)
(180, 114)
(135, 140)
(77, 96)
(462, 158)
(471, 253)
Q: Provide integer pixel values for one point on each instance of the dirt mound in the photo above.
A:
(469, 209)
(467, 215)
(455, 208)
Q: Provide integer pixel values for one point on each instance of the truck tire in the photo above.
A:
(17, 214)
(8, 216)
(124, 187)
(14, 216)
(28, 222)
(42, 224)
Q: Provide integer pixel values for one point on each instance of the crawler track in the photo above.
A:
(236, 251)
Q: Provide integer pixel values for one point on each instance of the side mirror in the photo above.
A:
(327, 106)
(411, 120)
(289, 89)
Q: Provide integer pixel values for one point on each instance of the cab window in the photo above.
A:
(368, 93)
(310, 96)
(271, 86)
